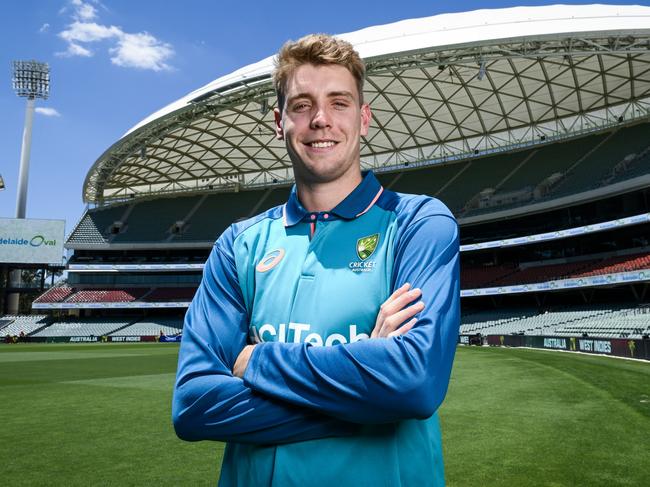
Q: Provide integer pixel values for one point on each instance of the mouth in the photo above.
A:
(321, 144)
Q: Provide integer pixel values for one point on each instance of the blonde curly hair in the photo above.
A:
(316, 49)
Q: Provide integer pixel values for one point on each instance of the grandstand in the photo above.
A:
(152, 327)
(595, 321)
(77, 328)
(27, 325)
(534, 131)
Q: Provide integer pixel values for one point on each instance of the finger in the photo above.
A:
(402, 330)
(381, 316)
(401, 301)
(397, 293)
(393, 322)
(393, 315)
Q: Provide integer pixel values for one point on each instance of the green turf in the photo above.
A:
(95, 415)
(530, 417)
(99, 415)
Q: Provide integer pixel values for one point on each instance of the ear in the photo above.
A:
(279, 131)
(366, 117)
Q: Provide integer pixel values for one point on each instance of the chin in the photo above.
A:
(322, 174)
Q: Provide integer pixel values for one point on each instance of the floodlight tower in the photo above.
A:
(30, 80)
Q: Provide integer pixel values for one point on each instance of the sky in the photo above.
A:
(114, 62)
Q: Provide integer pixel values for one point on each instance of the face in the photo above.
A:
(322, 123)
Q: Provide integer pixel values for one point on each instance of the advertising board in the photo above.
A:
(30, 241)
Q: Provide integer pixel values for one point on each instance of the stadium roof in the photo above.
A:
(441, 89)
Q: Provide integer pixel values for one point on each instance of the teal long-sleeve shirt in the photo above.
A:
(320, 403)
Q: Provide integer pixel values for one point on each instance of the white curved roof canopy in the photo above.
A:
(441, 88)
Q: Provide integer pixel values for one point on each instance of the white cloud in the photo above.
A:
(48, 112)
(89, 32)
(83, 11)
(130, 50)
(44, 28)
(75, 50)
(141, 51)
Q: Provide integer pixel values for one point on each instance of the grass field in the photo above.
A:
(100, 415)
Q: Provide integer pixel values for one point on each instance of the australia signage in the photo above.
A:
(28, 241)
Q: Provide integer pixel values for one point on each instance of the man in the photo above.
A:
(306, 347)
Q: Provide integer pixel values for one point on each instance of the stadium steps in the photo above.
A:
(145, 295)
(491, 323)
(485, 174)
(451, 180)
(188, 216)
(124, 326)
(572, 168)
(516, 170)
(123, 218)
(639, 167)
(4, 324)
(260, 204)
(599, 162)
(47, 323)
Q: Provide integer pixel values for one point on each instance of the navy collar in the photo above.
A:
(359, 201)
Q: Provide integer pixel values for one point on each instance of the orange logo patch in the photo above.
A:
(270, 260)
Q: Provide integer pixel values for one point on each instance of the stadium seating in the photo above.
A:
(163, 294)
(55, 294)
(475, 277)
(485, 172)
(106, 295)
(25, 324)
(585, 163)
(92, 327)
(94, 227)
(421, 181)
(152, 327)
(594, 168)
(548, 160)
(616, 323)
(67, 294)
(597, 321)
(542, 273)
(617, 264)
(508, 275)
(216, 212)
(151, 220)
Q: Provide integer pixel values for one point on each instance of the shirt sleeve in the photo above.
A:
(208, 401)
(386, 379)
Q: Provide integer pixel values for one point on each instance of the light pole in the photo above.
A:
(30, 80)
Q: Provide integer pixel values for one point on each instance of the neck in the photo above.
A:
(323, 196)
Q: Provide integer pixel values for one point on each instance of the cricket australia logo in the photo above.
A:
(366, 246)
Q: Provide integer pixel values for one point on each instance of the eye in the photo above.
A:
(300, 106)
(340, 104)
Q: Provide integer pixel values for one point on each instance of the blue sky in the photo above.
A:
(114, 62)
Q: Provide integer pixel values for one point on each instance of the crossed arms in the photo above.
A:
(293, 392)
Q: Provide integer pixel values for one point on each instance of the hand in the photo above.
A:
(396, 310)
(242, 361)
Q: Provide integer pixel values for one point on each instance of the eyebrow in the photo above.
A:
(331, 94)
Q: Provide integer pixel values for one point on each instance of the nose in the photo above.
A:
(320, 118)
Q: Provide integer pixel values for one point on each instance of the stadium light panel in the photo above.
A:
(31, 79)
